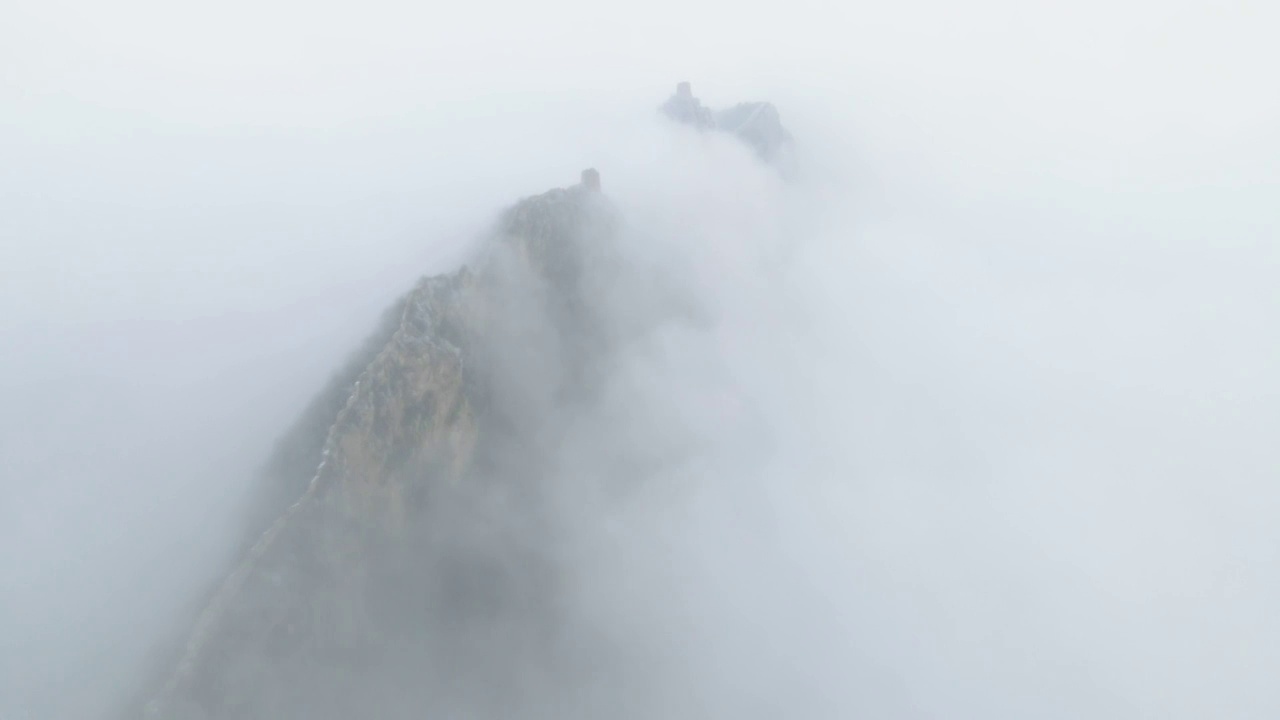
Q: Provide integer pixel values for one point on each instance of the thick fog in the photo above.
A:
(977, 416)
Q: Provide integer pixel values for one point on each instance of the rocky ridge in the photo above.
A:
(400, 551)
(758, 124)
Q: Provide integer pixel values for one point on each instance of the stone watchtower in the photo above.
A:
(591, 179)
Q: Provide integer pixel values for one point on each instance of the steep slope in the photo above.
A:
(403, 559)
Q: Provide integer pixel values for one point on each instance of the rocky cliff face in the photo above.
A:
(403, 561)
(400, 563)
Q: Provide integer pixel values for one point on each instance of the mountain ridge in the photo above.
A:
(418, 533)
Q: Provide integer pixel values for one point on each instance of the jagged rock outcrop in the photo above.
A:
(413, 561)
(757, 124)
(683, 107)
(401, 559)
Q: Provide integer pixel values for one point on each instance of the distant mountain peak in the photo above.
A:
(757, 123)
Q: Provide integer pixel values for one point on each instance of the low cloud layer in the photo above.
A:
(982, 399)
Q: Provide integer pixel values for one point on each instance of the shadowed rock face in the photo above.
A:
(413, 571)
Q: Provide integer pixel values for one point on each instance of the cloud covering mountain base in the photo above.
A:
(971, 418)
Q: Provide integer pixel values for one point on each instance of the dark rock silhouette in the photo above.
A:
(757, 124)
(683, 107)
